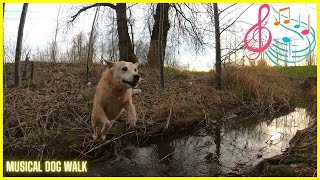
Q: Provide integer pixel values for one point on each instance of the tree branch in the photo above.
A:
(235, 19)
(194, 29)
(227, 8)
(89, 7)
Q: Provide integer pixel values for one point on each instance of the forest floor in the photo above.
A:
(49, 117)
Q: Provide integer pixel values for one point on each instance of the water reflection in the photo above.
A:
(230, 148)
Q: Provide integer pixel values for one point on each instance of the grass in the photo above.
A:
(299, 71)
(182, 72)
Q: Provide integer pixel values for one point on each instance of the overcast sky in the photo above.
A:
(41, 22)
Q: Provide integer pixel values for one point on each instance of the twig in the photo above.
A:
(21, 124)
(166, 156)
(107, 142)
(169, 117)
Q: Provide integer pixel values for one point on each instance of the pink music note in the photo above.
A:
(287, 21)
(306, 31)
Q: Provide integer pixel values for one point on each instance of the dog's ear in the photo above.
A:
(137, 63)
(109, 64)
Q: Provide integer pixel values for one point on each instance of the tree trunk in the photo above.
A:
(153, 57)
(125, 46)
(55, 44)
(32, 71)
(17, 81)
(160, 44)
(4, 74)
(218, 46)
(25, 72)
(90, 48)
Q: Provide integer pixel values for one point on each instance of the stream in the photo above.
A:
(234, 147)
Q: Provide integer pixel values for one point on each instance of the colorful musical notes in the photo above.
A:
(287, 21)
(298, 25)
(289, 44)
(258, 27)
(306, 31)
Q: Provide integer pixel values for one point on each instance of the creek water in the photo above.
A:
(234, 147)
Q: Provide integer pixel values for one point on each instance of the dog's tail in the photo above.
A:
(136, 91)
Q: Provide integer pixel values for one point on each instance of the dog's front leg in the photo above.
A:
(106, 127)
(132, 116)
(99, 115)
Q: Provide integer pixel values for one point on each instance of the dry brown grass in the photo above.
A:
(260, 88)
(51, 117)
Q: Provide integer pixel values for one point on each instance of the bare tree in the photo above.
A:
(54, 45)
(141, 50)
(4, 74)
(26, 62)
(17, 81)
(90, 46)
(161, 43)
(125, 45)
(218, 45)
(159, 31)
(80, 47)
(218, 31)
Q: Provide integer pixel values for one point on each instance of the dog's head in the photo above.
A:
(124, 74)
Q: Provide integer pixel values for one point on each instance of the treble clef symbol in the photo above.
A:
(258, 27)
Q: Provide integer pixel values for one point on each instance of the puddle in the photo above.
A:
(230, 148)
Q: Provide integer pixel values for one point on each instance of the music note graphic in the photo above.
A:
(297, 25)
(306, 31)
(287, 40)
(287, 21)
(258, 27)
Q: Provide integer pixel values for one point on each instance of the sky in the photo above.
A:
(41, 22)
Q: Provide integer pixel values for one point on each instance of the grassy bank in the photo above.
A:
(299, 71)
(300, 159)
(50, 117)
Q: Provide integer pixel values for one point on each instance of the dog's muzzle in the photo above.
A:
(133, 83)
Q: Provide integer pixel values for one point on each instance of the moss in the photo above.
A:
(280, 171)
(293, 159)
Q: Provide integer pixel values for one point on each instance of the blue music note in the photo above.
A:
(287, 40)
(297, 25)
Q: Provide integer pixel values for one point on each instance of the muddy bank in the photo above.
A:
(50, 117)
(300, 159)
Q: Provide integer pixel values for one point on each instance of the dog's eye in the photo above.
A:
(124, 69)
(135, 70)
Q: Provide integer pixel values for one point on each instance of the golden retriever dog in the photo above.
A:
(113, 95)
